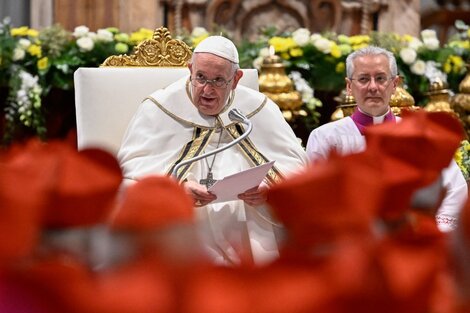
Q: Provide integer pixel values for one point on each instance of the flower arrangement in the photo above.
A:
(32, 62)
(320, 58)
(312, 60)
(462, 158)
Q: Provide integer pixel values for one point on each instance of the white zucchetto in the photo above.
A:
(219, 46)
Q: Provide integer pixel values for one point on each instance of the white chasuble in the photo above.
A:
(168, 128)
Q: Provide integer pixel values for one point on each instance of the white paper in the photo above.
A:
(230, 187)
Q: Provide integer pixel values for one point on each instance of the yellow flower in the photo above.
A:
(197, 40)
(20, 31)
(359, 46)
(408, 38)
(447, 67)
(141, 35)
(340, 67)
(32, 33)
(35, 50)
(285, 55)
(43, 63)
(458, 157)
(454, 63)
(463, 44)
(296, 52)
(282, 44)
(359, 40)
(335, 51)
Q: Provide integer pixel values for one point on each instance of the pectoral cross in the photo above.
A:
(208, 181)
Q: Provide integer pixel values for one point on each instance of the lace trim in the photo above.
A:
(447, 220)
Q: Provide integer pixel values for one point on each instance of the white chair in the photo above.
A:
(107, 97)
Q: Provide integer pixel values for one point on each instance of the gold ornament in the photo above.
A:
(345, 107)
(402, 100)
(160, 51)
(277, 86)
(460, 103)
(439, 97)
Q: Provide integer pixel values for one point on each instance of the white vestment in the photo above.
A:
(168, 128)
(344, 136)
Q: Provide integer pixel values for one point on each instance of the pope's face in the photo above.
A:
(372, 84)
(212, 80)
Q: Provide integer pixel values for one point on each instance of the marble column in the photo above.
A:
(401, 17)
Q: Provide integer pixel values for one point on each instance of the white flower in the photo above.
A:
(104, 35)
(418, 67)
(85, 43)
(18, 54)
(257, 62)
(323, 44)
(80, 31)
(264, 52)
(431, 43)
(28, 81)
(24, 43)
(63, 67)
(199, 31)
(408, 55)
(92, 35)
(301, 36)
(432, 72)
(21, 96)
(302, 86)
(428, 34)
(415, 44)
(315, 37)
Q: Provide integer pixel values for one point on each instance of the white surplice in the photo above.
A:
(166, 129)
(344, 137)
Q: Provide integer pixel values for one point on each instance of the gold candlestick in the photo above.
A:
(439, 97)
(402, 100)
(275, 84)
(345, 107)
(460, 103)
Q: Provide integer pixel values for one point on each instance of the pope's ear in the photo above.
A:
(237, 77)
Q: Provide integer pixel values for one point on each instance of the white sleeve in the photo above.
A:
(457, 193)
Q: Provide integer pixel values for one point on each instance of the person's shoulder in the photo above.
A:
(244, 91)
(248, 100)
(338, 124)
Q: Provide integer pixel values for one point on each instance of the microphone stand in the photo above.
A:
(236, 116)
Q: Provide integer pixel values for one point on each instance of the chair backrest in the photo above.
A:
(107, 97)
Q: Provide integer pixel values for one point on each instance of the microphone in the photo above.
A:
(234, 115)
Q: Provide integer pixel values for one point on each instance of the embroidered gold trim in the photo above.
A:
(192, 149)
(253, 155)
(176, 117)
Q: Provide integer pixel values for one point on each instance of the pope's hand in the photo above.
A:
(199, 193)
(255, 196)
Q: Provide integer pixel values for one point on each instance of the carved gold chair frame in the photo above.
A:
(160, 51)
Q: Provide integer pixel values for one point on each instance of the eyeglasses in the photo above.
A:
(381, 80)
(219, 82)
